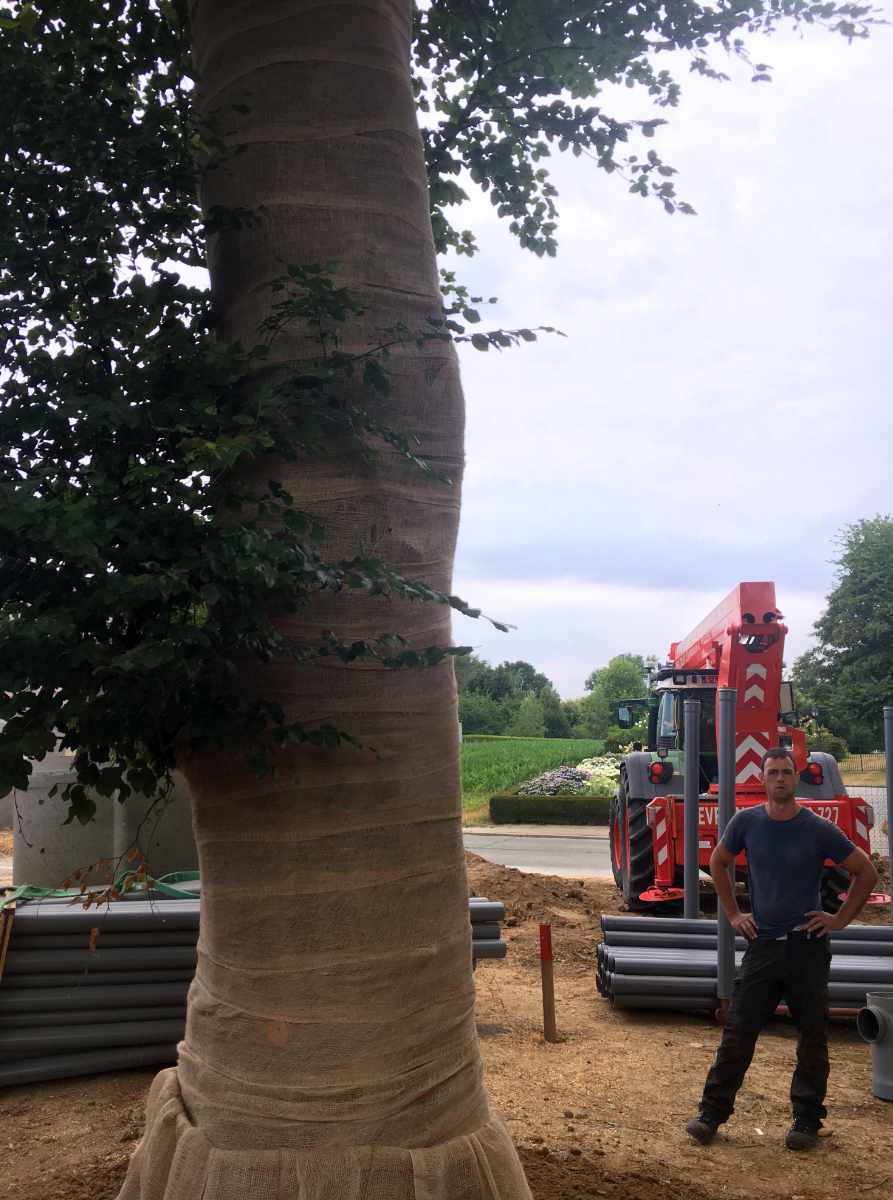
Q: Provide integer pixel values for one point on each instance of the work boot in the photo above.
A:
(702, 1128)
(803, 1134)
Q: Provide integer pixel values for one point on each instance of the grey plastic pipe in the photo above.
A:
(70, 1039)
(58, 1018)
(690, 941)
(64, 1066)
(140, 958)
(98, 979)
(692, 805)
(875, 1024)
(725, 941)
(707, 925)
(489, 949)
(888, 760)
(107, 941)
(90, 996)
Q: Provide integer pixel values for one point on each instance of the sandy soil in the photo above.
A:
(599, 1114)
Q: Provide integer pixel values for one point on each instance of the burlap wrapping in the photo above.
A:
(176, 1160)
(330, 1047)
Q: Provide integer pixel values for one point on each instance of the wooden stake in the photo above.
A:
(549, 1031)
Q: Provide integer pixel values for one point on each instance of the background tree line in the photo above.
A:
(517, 700)
(843, 683)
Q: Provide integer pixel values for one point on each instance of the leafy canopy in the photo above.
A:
(136, 572)
(848, 677)
(501, 83)
(624, 678)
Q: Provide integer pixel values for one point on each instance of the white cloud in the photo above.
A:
(721, 407)
(566, 628)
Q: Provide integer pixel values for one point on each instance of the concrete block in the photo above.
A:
(162, 832)
(46, 851)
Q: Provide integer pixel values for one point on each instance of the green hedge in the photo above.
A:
(508, 808)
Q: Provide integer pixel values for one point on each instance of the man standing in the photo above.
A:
(788, 953)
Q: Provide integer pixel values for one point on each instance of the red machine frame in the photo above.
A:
(665, 816)
(742, 642)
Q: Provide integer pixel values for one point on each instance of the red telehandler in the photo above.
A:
(740, 645)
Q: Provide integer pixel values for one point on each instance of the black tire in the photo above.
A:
(616, 837)
(638, 876)
(834, 883)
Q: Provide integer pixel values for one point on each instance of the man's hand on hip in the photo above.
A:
(745, 925)
(822, 923)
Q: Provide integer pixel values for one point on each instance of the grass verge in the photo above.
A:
(496, 764)
(864, 778)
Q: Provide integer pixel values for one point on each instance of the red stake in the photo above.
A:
(549, 1031)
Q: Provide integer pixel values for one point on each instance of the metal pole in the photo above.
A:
(725, 943)
(691, 799)
(888, 752)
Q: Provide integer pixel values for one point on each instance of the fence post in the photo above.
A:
(725, 940)
(691, 801)
(888, 751)
(550, 1032)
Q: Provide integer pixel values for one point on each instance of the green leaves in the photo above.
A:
(135, 573)
(848, 677)
(504, 82)
(502, 339)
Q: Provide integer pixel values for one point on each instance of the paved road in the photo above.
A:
(567, 856)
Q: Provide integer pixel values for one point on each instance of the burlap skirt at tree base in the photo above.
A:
(176, 1160)
(330, 1049)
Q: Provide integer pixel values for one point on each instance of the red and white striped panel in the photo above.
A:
(860, 823)
(749, 757)
(755, 685)
(661, 843)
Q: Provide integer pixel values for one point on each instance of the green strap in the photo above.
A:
(165, 886)
(27, 892)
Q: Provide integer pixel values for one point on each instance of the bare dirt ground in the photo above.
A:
(598, 1115)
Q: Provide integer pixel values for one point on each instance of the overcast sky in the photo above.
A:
(721, 406)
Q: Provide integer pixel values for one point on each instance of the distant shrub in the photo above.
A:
(511, 808)
(829, 743)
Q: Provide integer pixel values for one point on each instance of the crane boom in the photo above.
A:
(742, 640)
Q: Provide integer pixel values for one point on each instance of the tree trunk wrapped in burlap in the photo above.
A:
(330, 1049)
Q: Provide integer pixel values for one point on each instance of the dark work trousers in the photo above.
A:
(794, 969)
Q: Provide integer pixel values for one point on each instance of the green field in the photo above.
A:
(492, 764)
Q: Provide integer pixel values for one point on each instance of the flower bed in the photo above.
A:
(566, 795)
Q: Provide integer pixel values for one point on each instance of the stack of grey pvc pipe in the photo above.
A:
(670, 963)
(486, 916)
(69, 1009)
(74, 1003)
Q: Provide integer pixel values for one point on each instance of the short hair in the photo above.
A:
(779, 752)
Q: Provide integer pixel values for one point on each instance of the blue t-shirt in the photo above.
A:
(784, 864)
